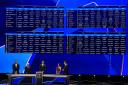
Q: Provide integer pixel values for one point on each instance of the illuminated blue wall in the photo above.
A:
(7, 60)
(84, 64)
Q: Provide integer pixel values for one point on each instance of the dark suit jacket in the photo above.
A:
(66, 70)
(42, 68)
(16, 68)
(27, 70)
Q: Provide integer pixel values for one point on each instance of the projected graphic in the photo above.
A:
(21, 19)
(83, 17)
(96, 44)
(27, 19)
(86, 17)
(35, 43)
(76, 43)
(97, 17)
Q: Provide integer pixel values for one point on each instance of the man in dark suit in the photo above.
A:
(27, 69)
(42, 66)
(15, 68)
(65, 68)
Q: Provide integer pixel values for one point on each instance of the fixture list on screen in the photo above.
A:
(70, 41)
(75, 43)
(96, 44)
(97, 17)
(23, 18)
(20, 19)
(35, 43)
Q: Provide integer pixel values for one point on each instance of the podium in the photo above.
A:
(39, 78)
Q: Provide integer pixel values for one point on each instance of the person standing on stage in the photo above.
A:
(16, 68)
(42, 66)
(28, 69)
(65, 68)
(58, 69)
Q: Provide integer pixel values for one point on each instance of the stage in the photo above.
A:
(73, 80)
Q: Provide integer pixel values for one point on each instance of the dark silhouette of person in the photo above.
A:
(16, 68)
(58, 69)
(65, 68)
(28, 69)
(43, 66)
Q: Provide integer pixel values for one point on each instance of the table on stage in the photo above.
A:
(10, 76)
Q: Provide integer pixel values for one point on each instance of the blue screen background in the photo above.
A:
(78, 64)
